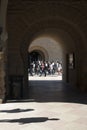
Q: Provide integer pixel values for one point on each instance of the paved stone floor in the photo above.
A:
(53, 105)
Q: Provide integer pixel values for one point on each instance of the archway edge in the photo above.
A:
(43, 25)
(54, 23)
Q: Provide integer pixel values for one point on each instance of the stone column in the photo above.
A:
(3, 59)
(83, 85)
(2, 76)
(3, 44)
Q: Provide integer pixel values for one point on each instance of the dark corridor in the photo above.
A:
(55, 91)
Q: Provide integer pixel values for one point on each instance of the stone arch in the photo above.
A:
(55, 20)
(61, 24)
(41, 50)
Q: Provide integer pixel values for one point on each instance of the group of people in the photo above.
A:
(44, 68)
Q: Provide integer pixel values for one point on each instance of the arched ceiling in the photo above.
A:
(29, 17)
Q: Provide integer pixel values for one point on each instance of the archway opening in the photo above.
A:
(45, 58)
(35, 56)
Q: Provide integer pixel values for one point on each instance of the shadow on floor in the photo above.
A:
(28, 120)
(17, 110)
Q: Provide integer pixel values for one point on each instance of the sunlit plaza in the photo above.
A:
(48, 77)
